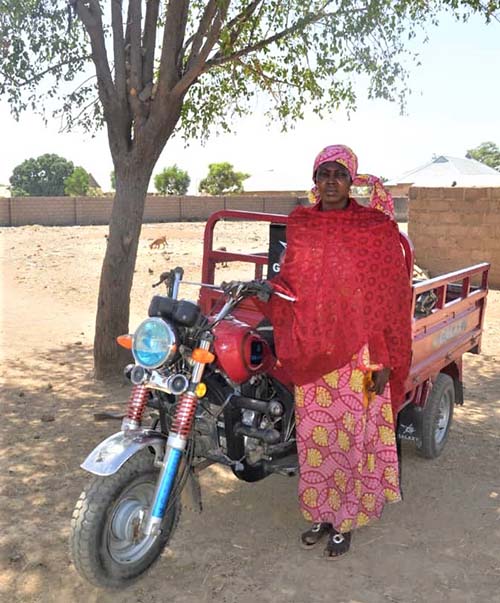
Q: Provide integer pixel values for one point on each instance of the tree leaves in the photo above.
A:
(41, 177)
(291, 53)
(37, 49)
(77, 184)
(222, 179)
(487, 153)
(172, 181)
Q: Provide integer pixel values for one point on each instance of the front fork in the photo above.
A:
(176, 444)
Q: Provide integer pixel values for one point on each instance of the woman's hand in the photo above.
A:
(379, 379)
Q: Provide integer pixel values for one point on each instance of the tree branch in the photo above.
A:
(267, 80)
(149, 40)
(196, 64)
(66, 128)
(173, 38)
(197, 40)
(43, 73)
(134, 19)
(219, 59)
(118, 48)
(91, 19)
(116, 115)
(237, 23)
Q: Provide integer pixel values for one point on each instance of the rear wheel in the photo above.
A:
(107, 545)
(437, 417)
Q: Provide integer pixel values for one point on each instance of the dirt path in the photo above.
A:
(441, 544)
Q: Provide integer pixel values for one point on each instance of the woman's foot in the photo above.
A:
(338, 544)
(314, 534)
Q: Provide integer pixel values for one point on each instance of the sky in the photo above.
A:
(455, 105)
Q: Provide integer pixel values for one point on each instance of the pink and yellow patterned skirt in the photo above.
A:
(347, 448)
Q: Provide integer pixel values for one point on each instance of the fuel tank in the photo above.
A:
(240, 351)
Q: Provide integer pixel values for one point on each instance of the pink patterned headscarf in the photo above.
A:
(380, 198)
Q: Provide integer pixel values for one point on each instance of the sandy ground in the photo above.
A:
(441, 544)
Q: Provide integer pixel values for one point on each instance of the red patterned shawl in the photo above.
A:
(347, 270)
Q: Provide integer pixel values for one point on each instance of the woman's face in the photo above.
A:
(333, 182)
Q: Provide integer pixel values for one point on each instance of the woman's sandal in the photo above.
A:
(338, 544)
(313, 535)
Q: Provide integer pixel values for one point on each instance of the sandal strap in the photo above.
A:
(338, 544)
(315, 533)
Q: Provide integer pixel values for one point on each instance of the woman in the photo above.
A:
(346, 343)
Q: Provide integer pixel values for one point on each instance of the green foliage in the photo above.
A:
(299, 54)
(37, 45)
(172, 181)
(112, 177)
(487, 153)
(77, 183)
(222, 179)
(41, 177)
(317, 65)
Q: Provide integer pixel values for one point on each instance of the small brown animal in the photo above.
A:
(161, 242)
(223, 264)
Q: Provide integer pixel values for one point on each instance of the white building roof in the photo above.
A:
(450, 171)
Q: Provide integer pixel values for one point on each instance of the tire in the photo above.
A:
(111, 504)
(437, 417)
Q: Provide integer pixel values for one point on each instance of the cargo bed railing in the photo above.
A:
(453, 327)
(211, 257)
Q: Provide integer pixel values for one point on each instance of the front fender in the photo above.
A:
(112, 453)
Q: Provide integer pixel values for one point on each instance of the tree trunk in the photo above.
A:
(113, 307)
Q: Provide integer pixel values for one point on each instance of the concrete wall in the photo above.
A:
(452, 228)
(71, 211)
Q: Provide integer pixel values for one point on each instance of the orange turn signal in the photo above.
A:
(125, 341)
(201, 355)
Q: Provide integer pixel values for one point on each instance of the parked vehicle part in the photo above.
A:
(108, 547)
(437, 416)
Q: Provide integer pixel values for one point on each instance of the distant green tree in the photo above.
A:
(487, 153)
(222, 179)
(112, 177)
(172, 181)
(77, 183)
(41, 177)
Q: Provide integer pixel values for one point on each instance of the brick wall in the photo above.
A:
(71, 211)
(452, 228)
(91, 210)
(5, 219)
(48, 211)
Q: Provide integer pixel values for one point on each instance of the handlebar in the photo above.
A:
(235, 290)
(262, 290)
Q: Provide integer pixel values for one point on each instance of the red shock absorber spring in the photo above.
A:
(137, 403)
(184, 415)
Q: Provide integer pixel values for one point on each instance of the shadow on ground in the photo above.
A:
(439, 544)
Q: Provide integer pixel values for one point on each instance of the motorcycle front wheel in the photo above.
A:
(107, 546)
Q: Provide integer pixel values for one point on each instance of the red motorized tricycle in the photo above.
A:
(208, 373)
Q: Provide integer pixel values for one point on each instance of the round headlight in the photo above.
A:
(154, 344)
